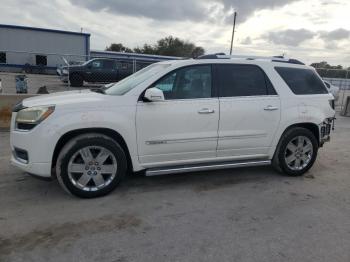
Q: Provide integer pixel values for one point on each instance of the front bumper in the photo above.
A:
(32, 150)
(39, 169)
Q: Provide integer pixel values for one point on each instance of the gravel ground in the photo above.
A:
(251, 214)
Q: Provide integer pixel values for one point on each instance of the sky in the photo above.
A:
(309, 30)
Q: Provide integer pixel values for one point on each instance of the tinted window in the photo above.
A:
(186, 83)
(243, 80)
(302, 81)
(108, 64)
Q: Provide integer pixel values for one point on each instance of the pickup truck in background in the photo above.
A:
(97, 70)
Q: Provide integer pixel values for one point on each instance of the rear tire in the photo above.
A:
(296, 152)
(91, 165)
(76, 80)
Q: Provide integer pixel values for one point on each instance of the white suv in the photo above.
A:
(176, 116)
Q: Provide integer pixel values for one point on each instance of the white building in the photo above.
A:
(24, 47)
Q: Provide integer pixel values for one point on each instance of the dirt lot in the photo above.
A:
(252, 214)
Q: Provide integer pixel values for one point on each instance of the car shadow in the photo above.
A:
(198, 181)
(25, 186)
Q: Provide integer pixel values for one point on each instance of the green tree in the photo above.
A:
(168, 46)
(172, 46)
(118, 48)
(325, 65)
(146, 49)
(326, 70)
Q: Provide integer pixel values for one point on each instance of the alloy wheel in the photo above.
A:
(298, 153)
(92, 168)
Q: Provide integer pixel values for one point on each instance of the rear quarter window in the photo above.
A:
(302, 81)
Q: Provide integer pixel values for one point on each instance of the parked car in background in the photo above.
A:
(175, 116)
(334, 90)
(97, 70)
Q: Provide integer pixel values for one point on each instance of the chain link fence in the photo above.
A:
(339, 78)
(24, 72)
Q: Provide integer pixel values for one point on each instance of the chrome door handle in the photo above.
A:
(206, 111)
(270, 108)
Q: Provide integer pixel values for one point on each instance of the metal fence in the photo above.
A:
(60, 72)
(339, 78)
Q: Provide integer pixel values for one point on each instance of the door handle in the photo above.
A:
(270, 108)
(206, 111)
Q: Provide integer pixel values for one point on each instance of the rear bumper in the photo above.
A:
(325, 130)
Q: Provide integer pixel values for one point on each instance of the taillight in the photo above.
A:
(332, 103)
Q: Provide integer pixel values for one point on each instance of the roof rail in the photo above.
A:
(280, 59)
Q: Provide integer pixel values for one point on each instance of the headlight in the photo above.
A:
(29, 117)
(65, 71)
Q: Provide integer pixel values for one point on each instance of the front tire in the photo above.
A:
(91, 165)
(297, 151)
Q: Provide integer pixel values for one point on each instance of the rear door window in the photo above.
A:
(243, 80)
(302, 81)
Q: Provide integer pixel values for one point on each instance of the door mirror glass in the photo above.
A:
(154, 95)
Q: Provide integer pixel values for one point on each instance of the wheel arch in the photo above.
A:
(307, 125)
(104, 131)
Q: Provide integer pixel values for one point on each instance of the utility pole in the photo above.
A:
(233, 30)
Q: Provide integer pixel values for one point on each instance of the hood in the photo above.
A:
(74, 67)
(65, 98)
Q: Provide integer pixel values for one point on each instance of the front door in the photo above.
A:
(183, 127)
(249, 111)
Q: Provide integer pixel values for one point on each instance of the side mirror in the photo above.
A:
(154, 95)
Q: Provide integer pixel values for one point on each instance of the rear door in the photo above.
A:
(249, 111)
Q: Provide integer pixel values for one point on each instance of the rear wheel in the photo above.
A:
(91, 165)
(76, 80)
(296, 152)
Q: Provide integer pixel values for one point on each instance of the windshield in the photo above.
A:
(125, 85)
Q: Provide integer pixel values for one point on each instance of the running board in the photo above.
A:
(203, 167)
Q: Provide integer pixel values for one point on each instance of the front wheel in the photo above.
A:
(91, 165)
(296, 152)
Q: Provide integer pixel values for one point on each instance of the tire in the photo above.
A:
(91, 165)
(296, 152)
(76, 80)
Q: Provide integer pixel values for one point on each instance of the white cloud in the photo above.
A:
(212, 31)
